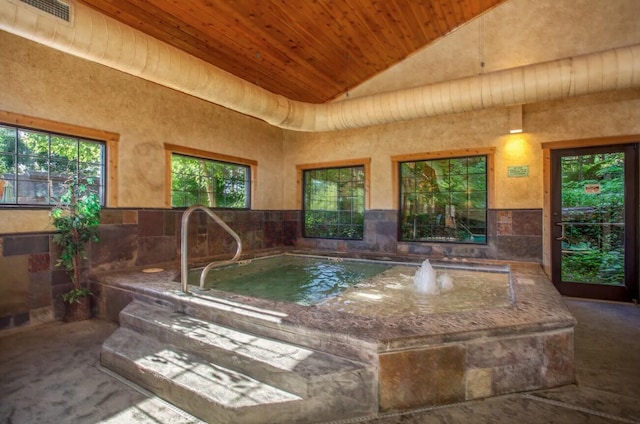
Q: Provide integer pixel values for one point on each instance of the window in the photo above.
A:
(444, 200)
(208, 182)
(334, 202)
(34, 164)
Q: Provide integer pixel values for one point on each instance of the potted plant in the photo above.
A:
(76, 217)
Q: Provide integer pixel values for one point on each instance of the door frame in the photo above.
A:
(548, 224)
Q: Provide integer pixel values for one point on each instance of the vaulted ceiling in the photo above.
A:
(306, 50)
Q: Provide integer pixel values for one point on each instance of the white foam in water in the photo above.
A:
(425, 280)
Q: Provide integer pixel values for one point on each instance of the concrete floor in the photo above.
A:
(51, 374)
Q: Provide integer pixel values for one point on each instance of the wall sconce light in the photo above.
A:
(515, 119)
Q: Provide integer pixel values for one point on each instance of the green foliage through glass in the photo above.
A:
(334, 203)
(593, 247)
(198, 181)
(34, 165)
(444, 200)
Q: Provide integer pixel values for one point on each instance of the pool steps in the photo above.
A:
(223, 375)
(268, 323)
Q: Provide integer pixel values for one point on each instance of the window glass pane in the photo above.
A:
(478, 165)
(198, 181)
(334, 202)
(7, 139)
(444, 200)
(8, 167)
(35, 164)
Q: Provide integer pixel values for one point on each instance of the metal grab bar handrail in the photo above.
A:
(184, 262)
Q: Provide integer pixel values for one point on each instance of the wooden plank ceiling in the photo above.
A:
(306, 50)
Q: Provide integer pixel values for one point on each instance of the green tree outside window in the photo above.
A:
(444, 200)
(215, 184)
(334, 202)
(34, 165)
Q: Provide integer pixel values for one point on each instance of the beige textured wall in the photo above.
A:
(515, 33)
(604, 115)
(44, 83)
(40, 82)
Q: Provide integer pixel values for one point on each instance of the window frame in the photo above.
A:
(171, 149)
(108, 139)
(352, 163)
(396, 162)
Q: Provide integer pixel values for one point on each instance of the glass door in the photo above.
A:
(594, 212)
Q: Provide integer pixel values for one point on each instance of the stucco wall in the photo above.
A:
(515, 33)
(40, 82)
(595, 116)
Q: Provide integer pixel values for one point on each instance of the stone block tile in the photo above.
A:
(6, 322)
(492, 222)
(41, 315)
(272, 233)
(519, 248)
(274, 216)
(14, 289)
(381, 215)
(129, 217)
(327, 244)
(56, 299)
(39, 289)
(504, 217)
(24, 245)
(358, 246)
(558, 359)
(506, 351)
(216, 241)
(527, 222)
(383, 235)
(154, 250)
(39, 262)
(112, 301)
(21, 319)
(171, 222)
(431, 250)
(421, 377)
(402, 249)
(258, 237)
(516, 378)
(111, 216)
(290, 233)
(468, 251)
(306, 243)
(117, 247)
(504, 229)
(198, 246)
(292, 216)
(479, 383)
(150, 223)
(59, 277)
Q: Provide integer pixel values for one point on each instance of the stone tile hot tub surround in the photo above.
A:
(422, 361)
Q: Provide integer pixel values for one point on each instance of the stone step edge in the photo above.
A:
(292, 368)
(181, 389)
(246, 318)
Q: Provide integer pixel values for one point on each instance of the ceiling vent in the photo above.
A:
(52, 7)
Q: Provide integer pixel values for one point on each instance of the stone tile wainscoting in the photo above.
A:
(31, 284)
(513, 234)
